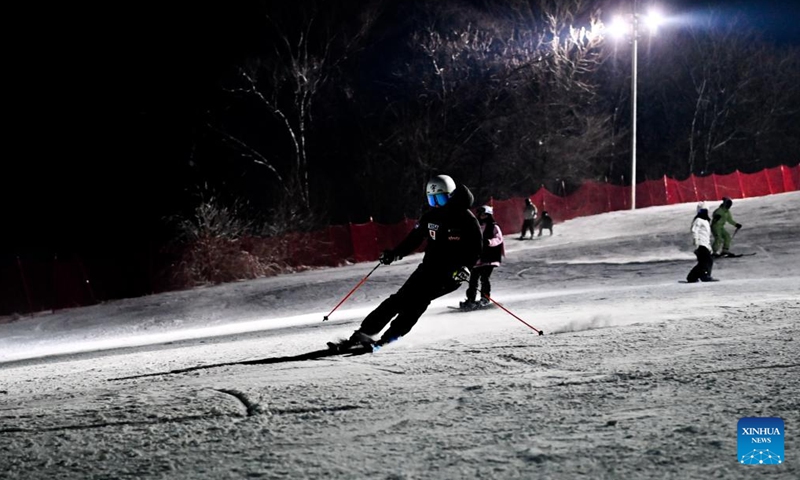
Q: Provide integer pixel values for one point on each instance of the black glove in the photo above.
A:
(387, 257)
(738, 226)
(461, 275)
(485, 242)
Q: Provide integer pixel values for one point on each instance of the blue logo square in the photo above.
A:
(760, 440)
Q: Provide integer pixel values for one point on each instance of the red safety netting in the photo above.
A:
(554, 205)
(706, 188)
(41, 283)
(775, 180)
(672, 188)
(791, 178)
(684, 190)
(341, 243)
(728, 185)
(643, 195)
(508, 214)
(308, 248)
(619, 198)
(590, 199)
(755, 184)
(365, 242)
(388, 236)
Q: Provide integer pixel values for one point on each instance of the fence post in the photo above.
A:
(741, 186)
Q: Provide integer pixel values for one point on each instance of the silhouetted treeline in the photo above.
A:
(343, 112)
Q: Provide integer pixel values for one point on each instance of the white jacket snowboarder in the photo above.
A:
(701, 238)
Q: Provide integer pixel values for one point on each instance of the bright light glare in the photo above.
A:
(653, 20)
(618, 27)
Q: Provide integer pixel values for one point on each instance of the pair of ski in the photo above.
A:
(471, 308)
(357, 346)
(350, 350)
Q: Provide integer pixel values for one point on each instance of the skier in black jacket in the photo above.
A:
(453, 245)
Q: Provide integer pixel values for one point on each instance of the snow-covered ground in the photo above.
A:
(637, 375)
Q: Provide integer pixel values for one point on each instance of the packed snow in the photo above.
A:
(637, 376)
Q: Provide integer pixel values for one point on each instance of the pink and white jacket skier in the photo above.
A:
(493, 248)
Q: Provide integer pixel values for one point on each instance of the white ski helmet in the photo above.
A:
(701, 206)
(487, 209)
(439, 190)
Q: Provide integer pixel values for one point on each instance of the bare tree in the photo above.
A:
(732, 89)
(303, 57)
(494, 88)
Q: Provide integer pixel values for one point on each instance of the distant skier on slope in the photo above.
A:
(490, 257)
(453, 245)
(545, 222)
(722, 215)
(701, 238)
(528, 218)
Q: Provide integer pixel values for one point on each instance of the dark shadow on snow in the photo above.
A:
(261, 361)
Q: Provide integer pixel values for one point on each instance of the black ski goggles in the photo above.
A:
(438, 199)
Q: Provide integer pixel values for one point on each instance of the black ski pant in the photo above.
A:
(481, 273)
(527, 226)
(409, 303)
(705, 262)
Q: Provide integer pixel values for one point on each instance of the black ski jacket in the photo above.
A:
(452, 232)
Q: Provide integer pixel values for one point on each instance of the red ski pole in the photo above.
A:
(351, 292)
(540, 332)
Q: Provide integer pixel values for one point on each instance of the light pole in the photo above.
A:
(634, 74)
(620, 28)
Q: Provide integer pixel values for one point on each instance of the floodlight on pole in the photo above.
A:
(618, 28)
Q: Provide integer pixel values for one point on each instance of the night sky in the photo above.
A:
(105, 102)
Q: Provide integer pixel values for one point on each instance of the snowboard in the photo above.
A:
(735, 255)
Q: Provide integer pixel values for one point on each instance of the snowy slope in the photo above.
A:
(638, 375)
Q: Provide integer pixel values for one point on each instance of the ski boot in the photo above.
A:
(356, 340)
(383, 341)
(468, 305)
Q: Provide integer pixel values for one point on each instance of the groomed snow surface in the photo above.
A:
(637, 375)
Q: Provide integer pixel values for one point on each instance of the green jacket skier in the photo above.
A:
(722, 215)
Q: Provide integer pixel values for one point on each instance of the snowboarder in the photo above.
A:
(453, 245)
(545, 222)
(721, 216)
(491, 256)
(528, 218)
(701, 238)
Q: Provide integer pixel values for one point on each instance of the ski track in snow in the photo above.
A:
(637, 375)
